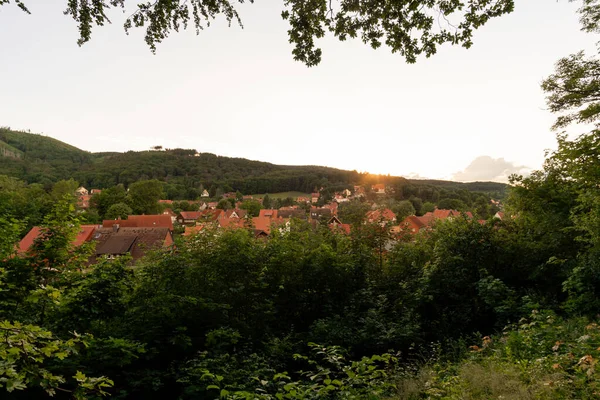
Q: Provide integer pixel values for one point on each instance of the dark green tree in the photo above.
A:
(143, 196)
(253, 207)
(266, 201)
(118, 211)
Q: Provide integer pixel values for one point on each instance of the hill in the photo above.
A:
(41, 159)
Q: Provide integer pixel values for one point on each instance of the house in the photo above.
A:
(205, 193)
(269, 213)
(168, 202)
(381, 216)
(378, 188)
(339, 198)
(314, 197)
(334, 221)
(189, 217)
(411, 224)
(84, 235)
(235, 213)
(499, 215)
(346, 192)
(302, 200)
(249, 197)
(265, 224)
(135, 241)
(81, 191)
(320, 213)
(141, 221)
(212, 205)
(333, 206)
(95, 191)
(437, 214)
(83, 201)
(172, 214)
(231, 223)
(359, 191)
(336, 225)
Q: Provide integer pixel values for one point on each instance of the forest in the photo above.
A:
(45, 161)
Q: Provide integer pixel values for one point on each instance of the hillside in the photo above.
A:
(46, 160)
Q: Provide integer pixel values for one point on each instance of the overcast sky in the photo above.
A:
(474, 114)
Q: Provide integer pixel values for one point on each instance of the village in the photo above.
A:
(136, 235)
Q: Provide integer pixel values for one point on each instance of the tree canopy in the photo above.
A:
(409, 27)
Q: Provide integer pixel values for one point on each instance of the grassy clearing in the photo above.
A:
(282, 195)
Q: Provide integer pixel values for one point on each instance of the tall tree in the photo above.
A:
(573, 90)
(143, 196)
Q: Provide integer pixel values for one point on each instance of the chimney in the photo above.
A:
(115, 228)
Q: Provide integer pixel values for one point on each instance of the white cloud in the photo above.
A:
(486, 168)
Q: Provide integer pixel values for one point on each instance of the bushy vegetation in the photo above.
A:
(310, 314)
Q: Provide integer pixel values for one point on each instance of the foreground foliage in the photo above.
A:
(540, 357)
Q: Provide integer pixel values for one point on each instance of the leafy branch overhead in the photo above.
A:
(409, 27)
(573, 90)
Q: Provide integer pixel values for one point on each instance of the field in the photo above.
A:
(282, 195)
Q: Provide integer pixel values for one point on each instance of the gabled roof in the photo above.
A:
(377, 215)
(443, 214)
(334, 220)
(190, 215)
(116, 245)
(136, 241)
(84, 235)
(235, 213)
(415, 221)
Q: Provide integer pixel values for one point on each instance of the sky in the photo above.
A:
(476, 114)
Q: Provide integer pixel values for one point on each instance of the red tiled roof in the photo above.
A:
(238, 212)
(342, 228)
(191, 230)
(376, 215)
(165, 201)
(187, 215)
(84, 235)
(141, 221)
(268, 213)
(227, 222)
(264, 223)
